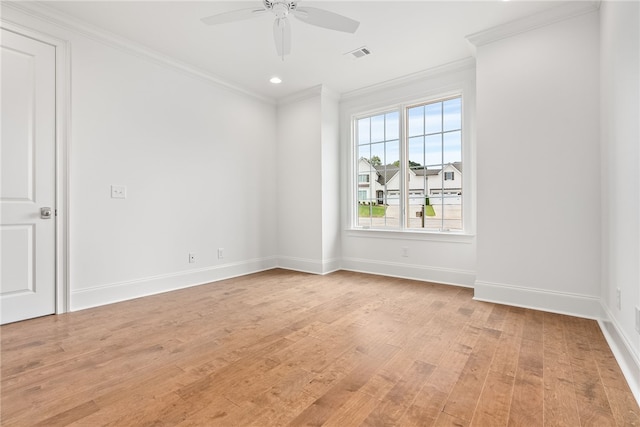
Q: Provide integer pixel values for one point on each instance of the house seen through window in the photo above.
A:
(412, 160)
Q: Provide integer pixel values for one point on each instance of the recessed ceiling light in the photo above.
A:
(275, 80)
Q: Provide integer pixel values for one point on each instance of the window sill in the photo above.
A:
(434, 236)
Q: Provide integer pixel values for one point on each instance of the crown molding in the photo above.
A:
(317, 91)
(41, 12)
(312, 92)
(565, 10)
(330, 94)
(451, 67)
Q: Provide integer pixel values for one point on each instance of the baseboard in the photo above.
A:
(622, 349)
(445, 276)
(309, 265)
(122, 291)
(540, 299)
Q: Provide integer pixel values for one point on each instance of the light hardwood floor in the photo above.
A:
(287, 348)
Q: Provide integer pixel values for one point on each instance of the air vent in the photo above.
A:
(360, 52)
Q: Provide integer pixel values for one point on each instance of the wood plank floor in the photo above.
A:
(287, 348)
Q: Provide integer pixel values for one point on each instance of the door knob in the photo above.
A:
(45, 213)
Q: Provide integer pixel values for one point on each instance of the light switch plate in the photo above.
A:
(118, 192)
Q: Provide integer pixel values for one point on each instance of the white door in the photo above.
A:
(27, 178)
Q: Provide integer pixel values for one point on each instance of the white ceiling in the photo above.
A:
(404, 38)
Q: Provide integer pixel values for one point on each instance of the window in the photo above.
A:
(412, 154)
(378, 146)
(363, 178)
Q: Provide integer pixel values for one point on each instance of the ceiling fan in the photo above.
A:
(281, 26)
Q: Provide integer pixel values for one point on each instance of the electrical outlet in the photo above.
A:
(638, 319)
(192, 257)
(405, 251)
(118, 192)
(220, 253)
(618, 299)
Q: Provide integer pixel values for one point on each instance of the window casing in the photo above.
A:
(413, 156)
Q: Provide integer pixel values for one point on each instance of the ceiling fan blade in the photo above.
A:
(234, 15)
(325, 19)
(282, 36)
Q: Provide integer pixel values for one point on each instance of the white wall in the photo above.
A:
(442, 258)
(198, 161)
(308, 182)
(538, 135)
(330, 147)
(620, 138)
(299, 183)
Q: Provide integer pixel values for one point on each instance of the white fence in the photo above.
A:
(434, 200)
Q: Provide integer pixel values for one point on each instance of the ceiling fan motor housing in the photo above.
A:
(280, 8)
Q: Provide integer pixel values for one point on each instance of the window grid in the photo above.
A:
(373, 145)
(373, 208)
(425, 166)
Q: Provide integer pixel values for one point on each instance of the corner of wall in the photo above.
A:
(622, 349)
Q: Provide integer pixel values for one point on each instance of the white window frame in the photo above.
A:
(468, 213)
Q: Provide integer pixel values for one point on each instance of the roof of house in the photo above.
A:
(387, 172)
